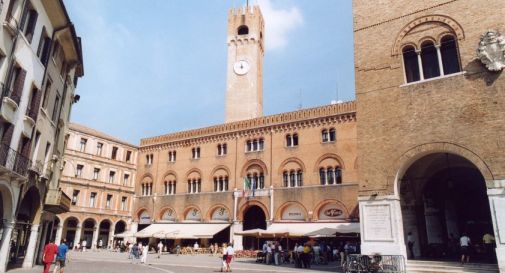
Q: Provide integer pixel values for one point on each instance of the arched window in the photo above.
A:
(330, 176)
(285, 179)
(243, 30)
(169, 187)
(411, 64)
(299, 178)
(324, 135)
(292, 177)
(295, 139)
(333, 134)
(289, 142)
(429, 59)
(450, 56)
(322, 176)
(194, 185)
(338, 175)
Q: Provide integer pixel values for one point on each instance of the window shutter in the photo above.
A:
(32, 20)
(7, 137)
(34, 107)
(18, 86)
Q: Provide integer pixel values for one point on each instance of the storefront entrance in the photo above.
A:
(443, 197)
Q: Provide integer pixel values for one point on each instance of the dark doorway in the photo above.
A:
(444, 197)
(254, 217)
(103, 236)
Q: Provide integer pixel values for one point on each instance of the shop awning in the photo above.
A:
(261, 233)
(181, 230)
(302, 229)
(125, 234)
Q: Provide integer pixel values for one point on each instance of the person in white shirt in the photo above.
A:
(464, 243)
(229, 256)
(269, 254)
(143, 259)
(160, 248)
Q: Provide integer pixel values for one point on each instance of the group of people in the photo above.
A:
(138, 252)
(55, 254)
(272, 251)
(464, 243)
(228, 252)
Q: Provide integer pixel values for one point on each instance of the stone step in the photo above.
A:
(449, 267)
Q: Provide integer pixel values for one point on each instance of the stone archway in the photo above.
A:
(254, 217)
(26, 229)
(443, 196)
(104, 234)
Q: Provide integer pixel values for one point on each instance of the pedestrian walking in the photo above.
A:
(224, 265)
(410, 245)
(489, 245)
(229, 257)
(135, 253)
(160, 248)
(145, 249)
(464, 243)
(129, 247)
(61, 257)
(50, 251)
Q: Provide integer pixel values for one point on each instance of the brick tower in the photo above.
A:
(244, 88)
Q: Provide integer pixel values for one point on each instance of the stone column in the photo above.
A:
(381, 225)
(439, 57)
(134, 227)
(94, 242)
(6, 244)
(235, 204)
(420, 64)
(78, 231)
(59, 232)
(271, 203)
(110, 241)
(497, 205)
(32, 244)
(237, 239)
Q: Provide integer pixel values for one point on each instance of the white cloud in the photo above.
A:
(279, 23)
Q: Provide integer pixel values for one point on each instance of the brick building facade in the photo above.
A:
(430, 122)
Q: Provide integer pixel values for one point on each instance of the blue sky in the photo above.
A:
(160, 67)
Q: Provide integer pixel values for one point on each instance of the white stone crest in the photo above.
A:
(491, 51)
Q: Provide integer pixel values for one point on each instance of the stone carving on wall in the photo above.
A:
(491, 51)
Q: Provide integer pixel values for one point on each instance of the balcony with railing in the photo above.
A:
(57, 201)
(12, 161)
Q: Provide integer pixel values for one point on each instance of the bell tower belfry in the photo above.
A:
(244, 86)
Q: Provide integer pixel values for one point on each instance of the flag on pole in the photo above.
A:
(247, 185)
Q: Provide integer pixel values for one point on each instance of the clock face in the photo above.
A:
(241, 67)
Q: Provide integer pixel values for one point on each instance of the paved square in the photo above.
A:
(113, 262)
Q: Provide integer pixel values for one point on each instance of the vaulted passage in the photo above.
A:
(254, 217)
(443, 197)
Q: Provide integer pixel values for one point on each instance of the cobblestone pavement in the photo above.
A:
(111, 262)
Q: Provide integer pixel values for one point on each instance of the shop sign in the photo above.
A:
(293, 212)
(144, 218)
(331, 212)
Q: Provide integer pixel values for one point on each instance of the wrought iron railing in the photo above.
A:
(375, 264)
(13, 160)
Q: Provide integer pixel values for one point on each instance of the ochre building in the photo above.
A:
(99, 174)
(430, 95)
(294, 171)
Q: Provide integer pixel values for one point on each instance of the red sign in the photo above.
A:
(333, 212)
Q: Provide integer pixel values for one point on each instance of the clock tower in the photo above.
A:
(244, 87)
